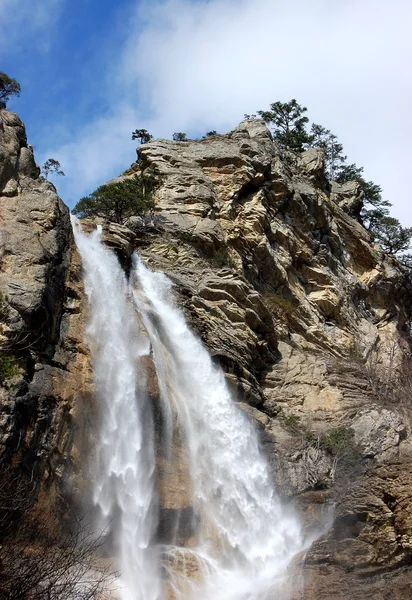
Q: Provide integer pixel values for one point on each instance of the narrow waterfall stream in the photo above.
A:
(244, 540)
(124, 490)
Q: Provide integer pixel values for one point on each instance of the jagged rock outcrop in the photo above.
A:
(308, 318)
(42, 327)
(303, 311)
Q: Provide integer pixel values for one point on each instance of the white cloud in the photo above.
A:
(21, 20)
(98, 152)
(200, 65)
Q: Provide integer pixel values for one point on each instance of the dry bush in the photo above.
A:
(36, 564)
(389, 373)
(387, 368)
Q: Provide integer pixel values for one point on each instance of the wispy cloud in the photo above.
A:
(21, 20)
(102, 149)
(198, 65)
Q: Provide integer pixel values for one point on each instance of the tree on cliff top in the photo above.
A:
(143, 135)
(179, 136)
(8, 87)
(374, 208)
(334, 157)
(121, 199)
(51, 166)
(289, 124)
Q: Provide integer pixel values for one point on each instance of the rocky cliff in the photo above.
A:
(309, 320)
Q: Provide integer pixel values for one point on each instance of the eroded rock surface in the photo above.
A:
(42, 406)
(307, 317)
(302, 311)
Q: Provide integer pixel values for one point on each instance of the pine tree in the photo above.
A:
(143, 135)
(289, 124)
(334, 157)
(391, 235)
(8, 87)
(51, 166)
(179, 137)
(375, 208)
(210, 134)
(119, 200)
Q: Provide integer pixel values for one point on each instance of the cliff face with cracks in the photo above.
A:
(307, 317)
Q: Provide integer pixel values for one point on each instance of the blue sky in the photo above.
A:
(92, 71)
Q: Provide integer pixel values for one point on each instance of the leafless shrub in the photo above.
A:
(16, 492)
(36, 564)
(386, 369)
(389, 373)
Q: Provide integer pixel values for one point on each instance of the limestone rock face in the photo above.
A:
(308, 319)
(41, 280)
(16, 157)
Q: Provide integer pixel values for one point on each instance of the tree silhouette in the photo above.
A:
(143, 135)
(8, 87)
(289, 124)
(51, 167)
(180, 137)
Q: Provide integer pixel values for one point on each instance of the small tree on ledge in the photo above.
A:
(8, 87)
(179, 137)
(210, 134)
(143, 135)
(51, 167)
(391, 235)
(119, 200)
(289, 124)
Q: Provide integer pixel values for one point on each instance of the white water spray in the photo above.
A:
(124, 490)
(245, 539)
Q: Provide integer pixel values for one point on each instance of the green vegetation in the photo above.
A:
(186, 236)
(4, 307)
(281, 308)
(290, 128)
(8, 367)
(121, 199)
(292, 422)
(289, 124)
(8, 87)
(210, 134)
(337, 440)
(51, 167)
(320, 137)
(142, 135)
(221, 258)
(179, 137)
(390, 234)
(374, 208)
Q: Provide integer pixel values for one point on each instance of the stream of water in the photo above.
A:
(244, 539)
(124, 489)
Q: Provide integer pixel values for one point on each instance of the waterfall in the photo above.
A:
(124, 490)
(244, 539)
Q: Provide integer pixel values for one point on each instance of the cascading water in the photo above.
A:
(124, 490)
(244, 539)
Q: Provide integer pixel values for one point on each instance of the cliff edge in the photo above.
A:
(308, 318)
